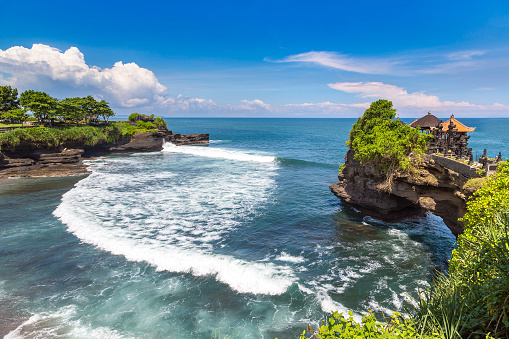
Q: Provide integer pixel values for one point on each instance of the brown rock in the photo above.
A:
(433, 188)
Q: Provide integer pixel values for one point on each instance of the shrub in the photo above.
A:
(386, 143)
(43, 137)
(339, 326)
(134, 116)
(160, 123)
(143, 126)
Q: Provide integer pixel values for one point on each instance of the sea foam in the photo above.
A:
(213, 152)
(176, 222)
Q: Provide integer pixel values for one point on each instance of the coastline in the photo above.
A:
(61, 170)
(63, 162)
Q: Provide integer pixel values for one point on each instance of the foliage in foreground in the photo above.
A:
(339, 326)
(473, 300)
(43, 137)
(379, 140)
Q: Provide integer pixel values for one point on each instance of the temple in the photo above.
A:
(449, 138)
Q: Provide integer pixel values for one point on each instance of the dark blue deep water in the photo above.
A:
(240, 238)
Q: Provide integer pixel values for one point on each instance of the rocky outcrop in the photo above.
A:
(30, 161)
(42, 163)
(141, 142)
(433, 188)
(189, 139)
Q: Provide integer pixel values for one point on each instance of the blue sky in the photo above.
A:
(263, 58)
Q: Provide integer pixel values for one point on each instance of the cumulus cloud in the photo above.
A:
(125, 84)
(128, 84)
(254, 105)
(401, 98)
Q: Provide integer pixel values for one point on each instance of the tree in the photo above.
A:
(103, 109)
(73, 109)
(8, 98)
(134, 117)
(89, 106)
(16, 115)
(385, 143)
(160, 123)
(42, 105)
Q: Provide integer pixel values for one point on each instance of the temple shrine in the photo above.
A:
(449, 138)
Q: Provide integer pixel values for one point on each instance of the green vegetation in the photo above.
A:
(145, 126)
(137, 116)
(44, 137)
(473, 300)
(47, 109)
(389, 145)
(160, 123)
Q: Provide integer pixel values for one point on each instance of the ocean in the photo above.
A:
(240, 238)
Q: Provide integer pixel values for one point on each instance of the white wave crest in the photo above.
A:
(219, 153)
(289, 258)
(175, 222)
(240, 275)
(60, 324)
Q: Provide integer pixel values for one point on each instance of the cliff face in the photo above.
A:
(28, 160)
(433, 188)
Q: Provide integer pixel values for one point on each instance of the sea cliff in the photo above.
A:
(431, 188)
(31, 160)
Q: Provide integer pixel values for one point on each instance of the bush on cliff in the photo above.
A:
(160, 123)
(472, 301)
(43, 137)
(383, 142)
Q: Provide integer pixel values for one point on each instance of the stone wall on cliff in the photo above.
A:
(432, 188)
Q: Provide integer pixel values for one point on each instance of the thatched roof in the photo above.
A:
(426, 122)
(459, 126)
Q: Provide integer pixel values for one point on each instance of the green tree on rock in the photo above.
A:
(8, 98)
(103, 109)
(42, 105)
(73, 109)
(16, 115)
(387, 144)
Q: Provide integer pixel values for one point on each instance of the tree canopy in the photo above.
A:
(8, 98)
(42, 105)
(378, 139)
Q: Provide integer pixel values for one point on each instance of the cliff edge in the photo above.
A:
(30, 160)
(432, 188)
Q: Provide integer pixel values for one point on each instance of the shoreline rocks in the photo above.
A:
(433, 188)
(28, 161)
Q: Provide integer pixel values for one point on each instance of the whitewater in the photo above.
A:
(238, 238)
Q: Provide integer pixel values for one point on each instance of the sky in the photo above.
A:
(263, 58)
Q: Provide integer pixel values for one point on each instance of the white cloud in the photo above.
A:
(330, 108)
(253, 105)
(402, 99)
(345, 62)
(465, 55)
(127, 85)
(415, 63)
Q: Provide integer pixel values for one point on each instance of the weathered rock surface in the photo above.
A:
(189, 139)
(433, 188)
(29, 161)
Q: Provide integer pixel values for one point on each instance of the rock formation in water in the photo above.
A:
(432, 188)
(28, 160)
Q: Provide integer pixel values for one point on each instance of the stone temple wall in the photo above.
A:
(456, 166)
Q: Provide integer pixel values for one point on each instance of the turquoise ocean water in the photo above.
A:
(240, 238)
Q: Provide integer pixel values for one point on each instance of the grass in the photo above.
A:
(2, 125)
(48, 138)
